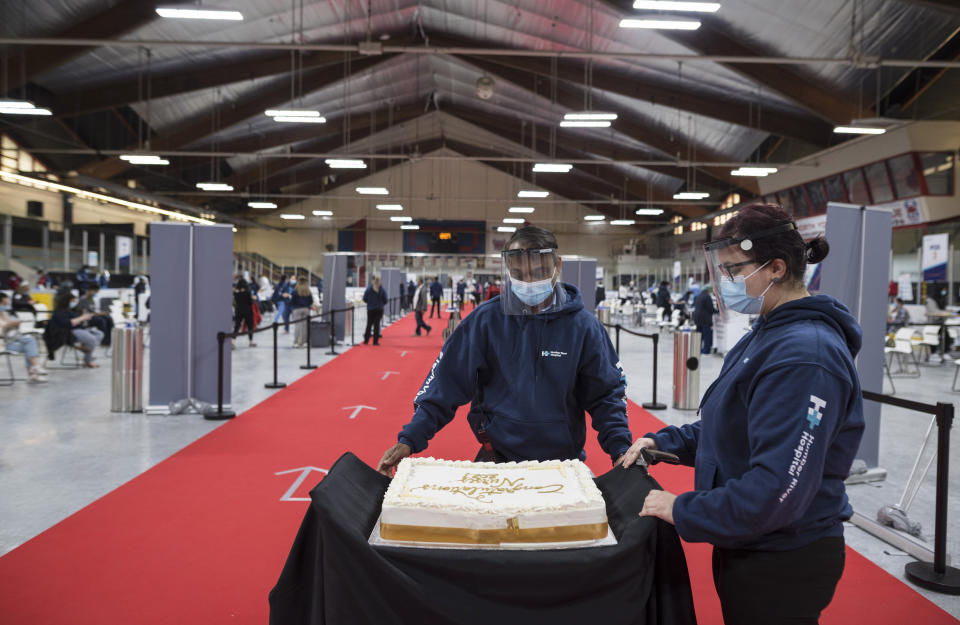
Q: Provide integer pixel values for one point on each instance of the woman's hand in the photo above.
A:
(659, 503)
(630, 458)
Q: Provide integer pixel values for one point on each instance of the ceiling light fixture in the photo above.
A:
(590, 116)
(514, 220)
(859, 130)
(372, 191)
(401, 218)
(506, 229)
(649, 211)
(690, 195)
(622, 222)
(389, 207)
(567, 123)
(199, 12)
(261, 205)
(214, 186)
(521, 209)
(144, 159)
(16, 104)
(345, 163)
(533, 194)
(409, 227)
(292, 216)
(753, 171)
(300, 120)
(660, 24)
(558, 168)
(670, 5)
(323, 213)
(21, 107)
(594, 217)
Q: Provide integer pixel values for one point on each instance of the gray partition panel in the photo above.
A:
(390, 280)
(335, 288)
(582, 273)
(169, 313)
(858, 275)
(213, 308)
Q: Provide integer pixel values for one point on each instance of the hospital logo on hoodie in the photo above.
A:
(814, 413)
(548, 353)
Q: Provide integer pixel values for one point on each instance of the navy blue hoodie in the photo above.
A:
(530, 379)
(779, 429)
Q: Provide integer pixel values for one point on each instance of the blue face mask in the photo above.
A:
(532, 293)
(5, 307)
(734, 294)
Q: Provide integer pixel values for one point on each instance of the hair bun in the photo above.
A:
(817, 250)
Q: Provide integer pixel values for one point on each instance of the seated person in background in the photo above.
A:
(22, 302)
(12, 341)
(64, 317)
(897, 317)
(99, 320)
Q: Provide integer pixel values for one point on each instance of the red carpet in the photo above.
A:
(201, 537)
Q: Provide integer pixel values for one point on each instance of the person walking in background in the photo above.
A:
(420, 307)
(301, 302)
(461, 291)
(663, 299)
(494, 290)
(436, 292)
(703, 312)
(376, 298)
(243, 309)
(65, 318)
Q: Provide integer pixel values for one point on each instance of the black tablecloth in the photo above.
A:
(334, 576)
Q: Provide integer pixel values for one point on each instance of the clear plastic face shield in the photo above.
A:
(530, 280)
(730, 265)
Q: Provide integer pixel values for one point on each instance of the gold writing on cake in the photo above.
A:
(482, 486)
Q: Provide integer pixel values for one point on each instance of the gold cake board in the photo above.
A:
(440, 538)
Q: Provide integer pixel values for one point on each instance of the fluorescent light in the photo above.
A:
(34, 182)
(622, 222)
(144, 159)
(291, 113)
(345, 163)
(506, 229)
(858, 130)
(521, 209)
(17, 104)
(261, 205)
(409, 227)
(372, 191)
(199, 12)
(584, 124)
(553, 167)
(24, 111)
(291, 216)
(668, 5)
(660, 24)
(533, 194)
(513, 220)
(690, 195)
(401, 218)
(300, 120)
(214, 186)
(649, 211)
(323, 213)
(753, 171)
(590, 116)
(389, 207)
(594, 217)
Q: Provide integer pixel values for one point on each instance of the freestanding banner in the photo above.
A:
(123, 252)
(190, 301)
(857, 274)
(935, 252)
(582, 273)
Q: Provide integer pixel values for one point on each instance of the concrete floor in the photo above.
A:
(53, 462)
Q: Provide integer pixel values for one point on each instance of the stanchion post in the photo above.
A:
(937, 575)
(308, 365)
(654, 404)
(618, 338)
(220, 413)
(275, 383)
(333, 333)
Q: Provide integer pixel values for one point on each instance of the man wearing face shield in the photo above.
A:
(530, 362)
(778, 430)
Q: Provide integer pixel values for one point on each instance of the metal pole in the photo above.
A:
(103, 249)
(220, 413)
(8, 240)
(66, 249)
(275, 384)
(84, 237)
(654, 404)
(46, 247)
(308, 365)
(618, 338)
(333, 337)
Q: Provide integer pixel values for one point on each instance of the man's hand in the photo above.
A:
(659, 503)
(392, 457)
(630, 458)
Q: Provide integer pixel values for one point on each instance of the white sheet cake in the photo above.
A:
(432, 500)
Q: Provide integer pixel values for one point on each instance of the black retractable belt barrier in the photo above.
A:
(308, 321)
(220, 413)
(275, 383)
(653, 404)
(333, 332)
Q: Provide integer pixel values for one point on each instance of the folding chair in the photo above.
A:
(903, 344)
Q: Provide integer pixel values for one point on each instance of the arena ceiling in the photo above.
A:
(761, 81)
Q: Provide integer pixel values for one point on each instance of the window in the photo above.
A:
(800, 206)
(818, 200)
(938, 172)
(856, 186)
(906, 183)
(879, 182)
(836, 192)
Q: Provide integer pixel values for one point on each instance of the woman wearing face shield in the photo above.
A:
(777, 434)
(531, 361)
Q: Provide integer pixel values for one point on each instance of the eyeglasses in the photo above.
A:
(731, 270)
